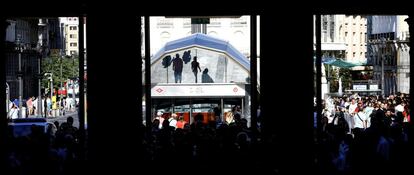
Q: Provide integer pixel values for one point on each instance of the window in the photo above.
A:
(353, 54)
(361, 37)
(72, 28)
(73, 44)
(325, 25)
(73, 36)
(353, 37)
(346, 37)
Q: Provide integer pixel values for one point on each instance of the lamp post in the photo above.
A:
(73, 82)
(7, 97)
(19, 48)
(51, 83)
(61, 79)
(42, 25)
(382, 66)
(39, 81)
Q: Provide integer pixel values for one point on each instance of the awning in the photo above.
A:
(343, 64)
(338, 62)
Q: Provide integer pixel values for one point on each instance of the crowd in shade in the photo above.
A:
(175, 146)
(55, 152)
(358, 135)
(364, 135)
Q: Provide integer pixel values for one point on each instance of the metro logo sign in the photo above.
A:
(159, 90)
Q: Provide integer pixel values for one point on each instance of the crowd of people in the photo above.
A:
(55, 152)
(364, 134)
(196, 145)
(209, 146)
(359, 135)
(51, 107)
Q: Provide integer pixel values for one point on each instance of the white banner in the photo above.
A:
(198, 90)
(373, 87)
(359, 87)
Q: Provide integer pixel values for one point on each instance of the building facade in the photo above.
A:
(354, 32)
(36, 36)
(388, 52)
(234, 30)
(70, 29)
(332, 46)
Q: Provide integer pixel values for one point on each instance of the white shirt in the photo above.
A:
(35, 103)
(173, 122)
(14, 113)
(399, 108)
(359, 119)
(352, 108)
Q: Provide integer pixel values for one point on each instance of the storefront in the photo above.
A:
(200, 74)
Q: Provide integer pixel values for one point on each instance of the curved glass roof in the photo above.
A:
(203, 41)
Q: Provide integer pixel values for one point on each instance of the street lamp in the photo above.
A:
(41, 49)
(382, 66)
(7, 97)
(51, 83)
(61, 79)
(19, 48)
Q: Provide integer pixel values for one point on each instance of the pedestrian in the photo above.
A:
(173, 120)
(181, 122)
(177, 68)
(194, 66)
(14, 112)
(205, 78)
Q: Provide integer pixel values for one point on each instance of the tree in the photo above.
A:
(346, 77)
(70, 70)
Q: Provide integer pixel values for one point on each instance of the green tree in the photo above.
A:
(346, 77)
(332, 77)
(69, 66)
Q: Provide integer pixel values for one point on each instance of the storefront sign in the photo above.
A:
(195, 90)
(359, 87)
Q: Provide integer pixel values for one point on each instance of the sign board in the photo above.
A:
(359, 87)
(213, 90)
(373, 87)
(200, 20)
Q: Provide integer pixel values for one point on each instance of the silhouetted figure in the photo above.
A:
(205, 78)
(166, 61)
(217, 114)
(194, 66)
(187, 56)
(177, 68)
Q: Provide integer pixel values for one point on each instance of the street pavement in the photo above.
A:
(62, 119)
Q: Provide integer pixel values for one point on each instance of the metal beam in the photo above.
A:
(81, 110)
(318, 65)
(253, 72)
(148, 102)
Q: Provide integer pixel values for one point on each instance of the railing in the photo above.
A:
(365, 81)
